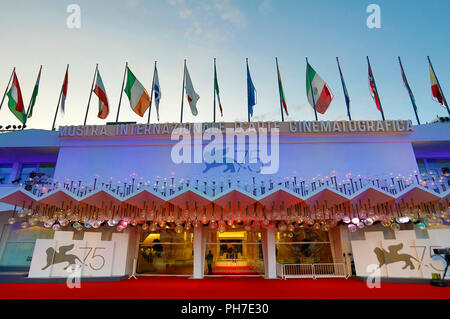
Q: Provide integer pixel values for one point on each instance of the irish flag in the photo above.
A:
(435, 89)
(15, 102)
(317, 87)
(138, 96)
(99, 90)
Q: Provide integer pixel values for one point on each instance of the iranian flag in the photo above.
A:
(15, 102)
(435, 88)
(99, 90)
(315, 85)
(138, 96)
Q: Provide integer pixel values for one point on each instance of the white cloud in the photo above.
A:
(185, 13)
(133, 3)
(265, 7)
(230, 13)
(203, 17)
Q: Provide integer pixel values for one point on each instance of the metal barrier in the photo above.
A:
(325, 270)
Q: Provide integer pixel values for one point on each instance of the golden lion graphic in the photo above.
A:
(384, 257)
(54, 257)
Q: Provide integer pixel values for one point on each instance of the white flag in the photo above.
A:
(157, 90)
(192, 96)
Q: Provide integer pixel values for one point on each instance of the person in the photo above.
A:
(234, 254)
(209, 260)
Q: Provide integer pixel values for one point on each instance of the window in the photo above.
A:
(27, 169)
(47, 169)
(165, 252)
(5, 171)
(19, 247)
(303, 246)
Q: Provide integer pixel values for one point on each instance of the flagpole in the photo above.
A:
(439, 85)
(342, 80)
(31, 98)
(411, 98)
(121, 91)
(311, 88)
(182, 92)
(279, 89)
(376, 90)
(90, 94)
(9, 82)
(59, 99)
(151, 95)
(214, 92)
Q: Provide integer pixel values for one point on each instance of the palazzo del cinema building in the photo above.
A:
(348, 198)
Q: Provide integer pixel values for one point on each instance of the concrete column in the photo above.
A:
(270, 258)
(15, 172)
(199, 252)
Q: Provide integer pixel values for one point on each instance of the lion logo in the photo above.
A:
(392, 256)
(61, 256)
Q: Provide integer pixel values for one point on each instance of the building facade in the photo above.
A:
(272, 199)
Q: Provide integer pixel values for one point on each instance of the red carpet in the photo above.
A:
(224, 287)
(234, 270)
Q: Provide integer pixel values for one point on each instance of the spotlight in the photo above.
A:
(24, 126)
(8, 127)
(445, 170)
(1, 126)
(14, 127)
(19, 127)
(16, 181)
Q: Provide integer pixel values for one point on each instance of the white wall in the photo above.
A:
(298, 157)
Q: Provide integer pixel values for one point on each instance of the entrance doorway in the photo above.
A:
(237, 253)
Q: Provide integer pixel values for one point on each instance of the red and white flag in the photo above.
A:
(64, 91)
(373, 88)
(99, 90)
(192, 96)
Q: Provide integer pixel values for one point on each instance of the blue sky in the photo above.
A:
(140, 32)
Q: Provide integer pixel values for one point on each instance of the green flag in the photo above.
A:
(34, 95)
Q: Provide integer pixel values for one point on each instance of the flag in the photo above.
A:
(280, 88)
(34, 95)
(435, 88)
(322, 94)
(373, 88)
(405, 82)
(99, 90)
(344, 87)
(251, 93)
(192, 96)
(138, 96)
(64, 91)
(15, 102)
(157, 90)
(216, 88)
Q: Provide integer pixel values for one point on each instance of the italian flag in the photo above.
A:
(15, 102)
(315, 85)
(138, 96)
(435, 89)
